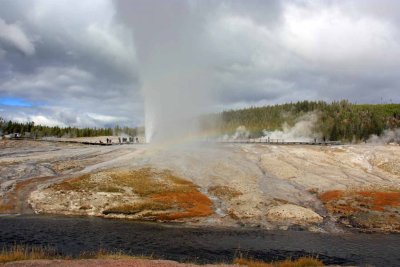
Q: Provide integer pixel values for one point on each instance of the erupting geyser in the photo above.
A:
(175, 75)
(173, 103)
(149, 124)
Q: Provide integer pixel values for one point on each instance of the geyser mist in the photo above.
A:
(173, 103)
(175, 76)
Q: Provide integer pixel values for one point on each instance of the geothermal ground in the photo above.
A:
(316, 188)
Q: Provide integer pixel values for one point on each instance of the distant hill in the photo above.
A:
(340, 120)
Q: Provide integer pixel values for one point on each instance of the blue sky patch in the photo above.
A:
(14, 102)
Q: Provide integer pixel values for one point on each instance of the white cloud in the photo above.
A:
(47, 82)
(330, 35)
(38, 120)
(86, 30)
(12, 34)
(105, 118)
(42, 120)
(314, 50)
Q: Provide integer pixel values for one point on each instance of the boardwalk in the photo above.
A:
(233, 141)
(280, 142)
(76, 142)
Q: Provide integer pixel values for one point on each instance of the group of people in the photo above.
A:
(125, 140)
(122, 140)
(108, 141)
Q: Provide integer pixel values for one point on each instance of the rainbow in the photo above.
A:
(191, 138)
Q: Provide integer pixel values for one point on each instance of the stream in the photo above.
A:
(74, 235)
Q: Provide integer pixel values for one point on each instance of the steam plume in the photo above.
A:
(388, 136)
(302, 131)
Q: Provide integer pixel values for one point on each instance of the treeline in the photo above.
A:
(29, 129)
(339, 120)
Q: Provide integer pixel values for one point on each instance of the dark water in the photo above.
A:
(72, 235)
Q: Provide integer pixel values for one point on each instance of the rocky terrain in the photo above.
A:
(317, 188)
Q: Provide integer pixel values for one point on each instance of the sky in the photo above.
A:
(98, 63)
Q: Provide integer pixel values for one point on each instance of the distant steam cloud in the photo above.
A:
(302, 131)
(388, 136)
(240, 133)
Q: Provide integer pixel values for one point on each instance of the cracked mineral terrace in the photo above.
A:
(316, 188)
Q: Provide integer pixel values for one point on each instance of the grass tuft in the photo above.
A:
(300, 262)
(252, 263)
(103, 254)
(20, 253)
(24, 252)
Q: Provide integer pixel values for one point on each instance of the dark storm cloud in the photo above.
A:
(314, 50)
(262, 52)
(88, 62)
(71, 59)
